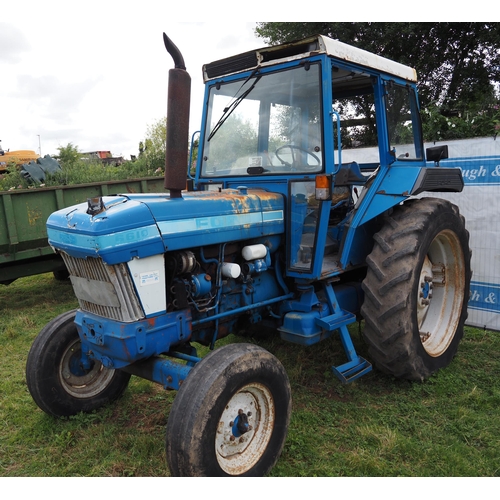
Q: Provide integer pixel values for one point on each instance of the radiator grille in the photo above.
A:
(91, 277)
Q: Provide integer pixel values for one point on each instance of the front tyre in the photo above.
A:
(58, 383)
(417, 289)
(231, 415)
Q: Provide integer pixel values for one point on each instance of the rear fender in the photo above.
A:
(389, 188)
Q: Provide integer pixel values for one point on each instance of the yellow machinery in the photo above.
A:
(17, 158)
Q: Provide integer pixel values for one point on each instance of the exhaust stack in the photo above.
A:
(178, 102)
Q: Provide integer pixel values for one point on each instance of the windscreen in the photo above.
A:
(265, 124)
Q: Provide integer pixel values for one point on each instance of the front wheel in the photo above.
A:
(231, 415)
(56, 379)
(417, 289)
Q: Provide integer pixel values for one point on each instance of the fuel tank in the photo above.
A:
(141, 225)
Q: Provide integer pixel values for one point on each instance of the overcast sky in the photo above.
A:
(95, 73)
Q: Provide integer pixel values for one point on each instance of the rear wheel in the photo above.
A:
(417, 289)
(56, 379)
(231, 415)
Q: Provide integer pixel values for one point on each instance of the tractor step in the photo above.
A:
(352, 370)
(336, 321)
(304, 325)
(356, 366)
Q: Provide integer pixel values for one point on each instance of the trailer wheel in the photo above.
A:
(231, 415)
(59, 385)
(61, 274)
(417, 289)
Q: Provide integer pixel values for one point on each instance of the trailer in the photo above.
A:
(24, 248)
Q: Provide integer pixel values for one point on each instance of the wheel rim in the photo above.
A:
(440, 295)
(238, 452)
(78, 381)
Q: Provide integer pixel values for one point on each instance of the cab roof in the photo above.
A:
(317, 44)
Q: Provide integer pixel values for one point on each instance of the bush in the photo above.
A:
(82, 172)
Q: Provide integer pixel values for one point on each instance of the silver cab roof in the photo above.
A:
(318, 44)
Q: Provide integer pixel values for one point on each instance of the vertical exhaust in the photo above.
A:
(177, 142)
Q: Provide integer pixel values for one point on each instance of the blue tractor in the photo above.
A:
(288, 221)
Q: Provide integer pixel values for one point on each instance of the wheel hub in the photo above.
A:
(440, 293)
(76, 379)
(244, 429)
(425, 295)
(235, 429)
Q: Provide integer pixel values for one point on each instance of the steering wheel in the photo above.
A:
(298, 148)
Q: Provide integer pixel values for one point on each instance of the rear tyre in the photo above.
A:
(58, 383)
(417, 289)
(231, 415)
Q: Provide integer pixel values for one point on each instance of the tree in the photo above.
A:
(153, 148)
(458, 64)
(69, 154)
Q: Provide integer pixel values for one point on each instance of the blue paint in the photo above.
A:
(144, 225)
(243, 195)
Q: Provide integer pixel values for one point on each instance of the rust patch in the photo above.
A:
(34, 216)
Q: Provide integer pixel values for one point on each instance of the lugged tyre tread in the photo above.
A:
(389, 329)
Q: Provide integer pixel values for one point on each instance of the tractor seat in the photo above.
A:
(350, 174)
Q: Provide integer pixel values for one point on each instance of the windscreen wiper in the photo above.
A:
(234, 104)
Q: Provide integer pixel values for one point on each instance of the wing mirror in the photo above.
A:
(437, 153)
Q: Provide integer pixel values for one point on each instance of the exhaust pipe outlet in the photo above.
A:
(177, 141)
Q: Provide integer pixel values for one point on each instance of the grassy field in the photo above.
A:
(376, 426)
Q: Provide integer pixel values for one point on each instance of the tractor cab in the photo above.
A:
(300, 119)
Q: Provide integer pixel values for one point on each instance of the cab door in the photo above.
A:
(307, 230)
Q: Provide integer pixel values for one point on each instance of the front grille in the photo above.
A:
(104, 290)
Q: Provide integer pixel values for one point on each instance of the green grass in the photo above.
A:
(376, 426)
